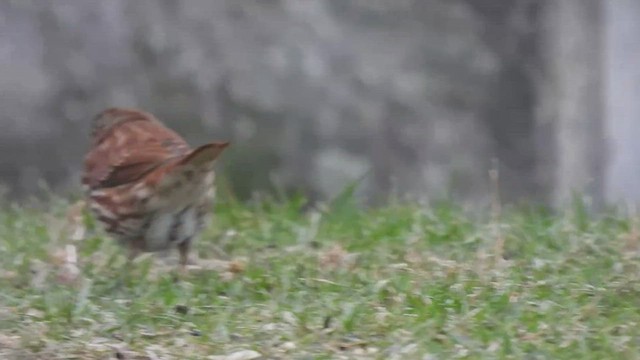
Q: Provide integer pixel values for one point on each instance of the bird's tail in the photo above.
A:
(205, 154)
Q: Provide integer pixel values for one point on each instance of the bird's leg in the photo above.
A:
(183, 249)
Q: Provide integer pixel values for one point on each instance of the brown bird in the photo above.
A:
(149, 189)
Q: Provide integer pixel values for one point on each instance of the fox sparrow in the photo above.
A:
(149, 189)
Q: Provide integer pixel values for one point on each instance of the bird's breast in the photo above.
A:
(156, 218)
(167, 229)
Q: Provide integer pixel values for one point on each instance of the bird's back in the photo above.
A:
(144, 183)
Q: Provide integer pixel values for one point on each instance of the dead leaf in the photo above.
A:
(237, 266)
(336, 257)
(413, 258)
(289, 318)
(493, 347)
(288, 346)
(226, 276)
(9, 342)
(238, 355)
(349, 344)
(34, 313)
(8, 275)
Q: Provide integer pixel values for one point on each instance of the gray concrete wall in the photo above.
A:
(421, 94)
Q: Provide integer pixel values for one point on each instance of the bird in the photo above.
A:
(147, 187)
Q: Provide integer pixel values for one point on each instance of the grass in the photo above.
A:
(400, 282)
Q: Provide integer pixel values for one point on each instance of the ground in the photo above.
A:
(276, 281)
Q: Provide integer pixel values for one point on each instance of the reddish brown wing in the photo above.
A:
(129, 151)
(194, 165)
(205, 154)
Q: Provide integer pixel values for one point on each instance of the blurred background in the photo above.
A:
(414, 97)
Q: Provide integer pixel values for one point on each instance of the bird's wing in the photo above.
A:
(194, 166)
(204, 155)
(130, 151)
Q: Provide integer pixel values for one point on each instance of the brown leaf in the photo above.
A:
(9, 341)
(238, 355)
(336, 257)
(237, 266)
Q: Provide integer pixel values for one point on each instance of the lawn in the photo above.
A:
(276, 281)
